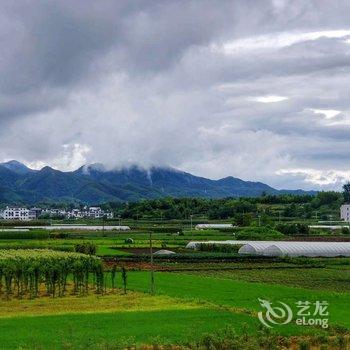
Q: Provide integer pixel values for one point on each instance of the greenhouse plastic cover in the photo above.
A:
(205, 226)
(294, 249)
(285, 248)
(308, 249)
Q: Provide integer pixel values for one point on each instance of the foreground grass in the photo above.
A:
(239, 294)
(79, 331)
(112, 302)
(184, 308)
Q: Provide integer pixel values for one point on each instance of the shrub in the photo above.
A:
(58, 235)
(243, 219)
(221, 248)
(293, 229)
(86, 248)
(258, 233)
(129, 241)
(345, 230)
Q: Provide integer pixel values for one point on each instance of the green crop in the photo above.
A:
(22, 272)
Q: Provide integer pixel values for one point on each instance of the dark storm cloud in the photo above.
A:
(198, 85)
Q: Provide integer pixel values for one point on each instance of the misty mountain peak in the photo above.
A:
(17, 167)
(94, 184)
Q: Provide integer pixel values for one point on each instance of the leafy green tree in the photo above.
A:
(265, 220)
(346, 192)
(243, 219)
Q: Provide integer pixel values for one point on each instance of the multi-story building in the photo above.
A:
(22, 214)
(98, 213)
(37, 211)
(75, 214)
(345, 212)
(95, 212)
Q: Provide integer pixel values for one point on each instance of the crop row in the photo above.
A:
(23, 271)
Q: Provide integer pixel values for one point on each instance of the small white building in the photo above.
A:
(345, 212)
(95, 212)
(21, 214)
(98, 213)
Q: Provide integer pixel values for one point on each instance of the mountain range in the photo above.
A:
(93, 184)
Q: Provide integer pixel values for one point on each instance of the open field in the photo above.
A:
(239, 294)
(81, 331)
(318, 278)
(196, 292)
(110, 302)
(184, 308)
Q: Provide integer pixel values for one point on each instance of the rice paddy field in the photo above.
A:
(196, 295)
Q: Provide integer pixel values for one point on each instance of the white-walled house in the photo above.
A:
(345, 212)
(75, 214)
(95, 212)
(22, 214)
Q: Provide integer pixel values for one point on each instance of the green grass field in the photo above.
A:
(239, 294)
(204, 297)
(337, 280)
(78, 331)
(184, 308)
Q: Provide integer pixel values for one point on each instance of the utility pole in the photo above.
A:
(152, 267)
(259, 217)
(191, 217)
(279, 216)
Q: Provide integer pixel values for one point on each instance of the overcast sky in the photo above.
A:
(259, 90)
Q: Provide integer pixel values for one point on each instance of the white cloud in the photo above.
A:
(328, 113)
(269, 98)
(276, 40)
(72, 157)
(318, 177)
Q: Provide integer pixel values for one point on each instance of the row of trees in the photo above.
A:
(182, 208)
(301, 206)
